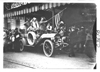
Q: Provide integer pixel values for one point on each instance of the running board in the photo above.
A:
(29, 45)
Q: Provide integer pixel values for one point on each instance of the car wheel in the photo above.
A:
(48, 48)
(21, 46)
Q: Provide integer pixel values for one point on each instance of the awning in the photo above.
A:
(33, 9)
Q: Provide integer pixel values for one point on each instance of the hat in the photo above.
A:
(61, 22)
(43, 18)
(34, 19)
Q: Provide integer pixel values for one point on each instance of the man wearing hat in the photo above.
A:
(34, 24)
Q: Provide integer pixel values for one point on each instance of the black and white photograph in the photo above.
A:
(47, 35)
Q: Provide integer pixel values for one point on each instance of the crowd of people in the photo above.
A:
(11, 37)
(43, 26)
(9, 33)
(40, 27)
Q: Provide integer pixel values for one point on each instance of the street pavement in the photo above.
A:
(36, 59)
(8, 64)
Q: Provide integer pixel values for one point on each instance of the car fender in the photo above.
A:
(24, 41)
(48, 35)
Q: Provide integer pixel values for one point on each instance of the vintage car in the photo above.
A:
(71, 39)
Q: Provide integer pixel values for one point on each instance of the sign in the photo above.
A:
(17, 4)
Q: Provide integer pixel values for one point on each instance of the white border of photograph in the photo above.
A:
(97, 2)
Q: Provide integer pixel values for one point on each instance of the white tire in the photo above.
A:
(31, 38)
(48, 51)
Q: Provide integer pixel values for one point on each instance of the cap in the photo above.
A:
(62, 22)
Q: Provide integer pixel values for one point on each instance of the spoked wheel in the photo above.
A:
(19, 46)
(48, 48)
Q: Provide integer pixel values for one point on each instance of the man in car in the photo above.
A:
(61, 32)
(34, 25)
